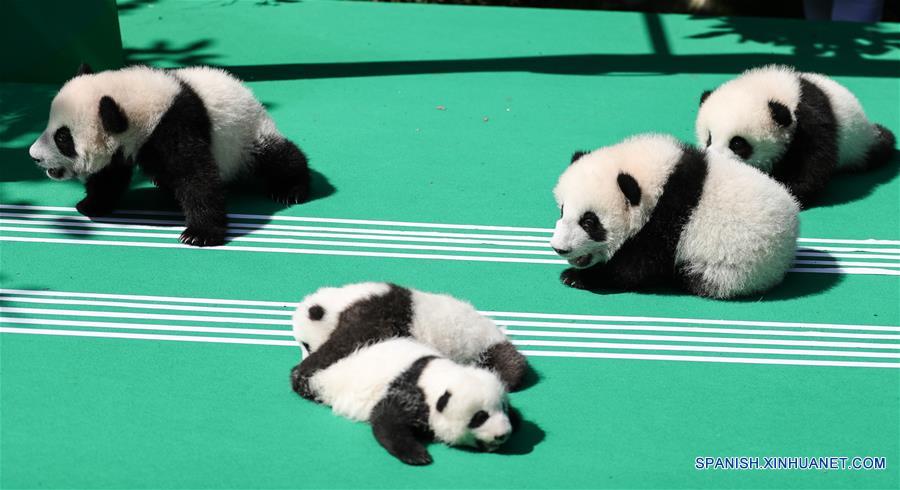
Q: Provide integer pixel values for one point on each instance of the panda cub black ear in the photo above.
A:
(780, 113)
(442, 401)
(84, 69)
(111, 115)
(578, 154)
(630, 188)
(705, 95)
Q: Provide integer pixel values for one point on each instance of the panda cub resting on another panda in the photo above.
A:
(331, 323)
(191, 130)
(408, 393)
(798, 127)
(650, 210)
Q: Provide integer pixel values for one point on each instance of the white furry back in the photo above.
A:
(355, 384)
(453, 327)
(742, 235)
(238, 119)
(855, 133)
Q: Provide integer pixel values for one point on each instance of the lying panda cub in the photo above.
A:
(191, 130)
(798, 127)
(333, 322)
(651, 209)
(409, 393)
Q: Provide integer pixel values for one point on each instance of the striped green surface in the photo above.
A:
(129, 360)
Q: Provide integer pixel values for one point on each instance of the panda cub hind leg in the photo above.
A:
(284, 169)
(882, 149)
(509, 364)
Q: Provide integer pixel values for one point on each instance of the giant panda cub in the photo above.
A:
(798, 127)
(333, 322)
(191, 130)
(651, 210)
(408, 393)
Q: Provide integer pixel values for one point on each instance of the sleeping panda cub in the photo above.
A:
(798, 127)
(651, 210)
(408, 393)
(191, 130)
(333, 322)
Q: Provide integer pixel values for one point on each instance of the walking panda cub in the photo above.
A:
(409, 394)
(191, 130)
(798, 127)
(333, 322)
(651, 210)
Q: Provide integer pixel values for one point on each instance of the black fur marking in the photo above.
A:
(84, 69)
(780, 113)
(178, 157)
(105, 188)
(705, 95)
(630, 188)
(591, 225)
(507, 362)
(648, 258)
(740, 147)
(316, 312)
(284, 168)
(369, 320)
(578, 154)
(305, 346)
(442, 401)
(64, 142)
(807, 165)
(708, 139)
(882, 149)
(478, 419)
(400, 419)
(111, 115)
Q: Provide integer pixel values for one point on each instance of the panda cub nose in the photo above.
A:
(501, 439)
(37, 160)
(561, 251)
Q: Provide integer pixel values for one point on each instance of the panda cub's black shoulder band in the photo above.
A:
(651, 252)
(406, 386)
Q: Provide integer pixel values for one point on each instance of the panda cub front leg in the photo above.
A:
(104, 188)
(394, 429)
(579, 278)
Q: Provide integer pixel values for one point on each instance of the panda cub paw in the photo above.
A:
(290, 194)
(573, 278)
(415, 455)
(207, 236)
(91, 207)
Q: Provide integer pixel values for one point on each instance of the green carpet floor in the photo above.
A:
(436, 134)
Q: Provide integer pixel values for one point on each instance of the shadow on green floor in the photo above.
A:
(846, 187)
(795, 285)
(24, 112)
(843, 40)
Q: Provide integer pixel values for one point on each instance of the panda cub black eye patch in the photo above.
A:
(590, 223)
(708, 139)
(316, 312)
(740, 147)
(478, 419)
(305, 346)
(442, 401)
(64, 142)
